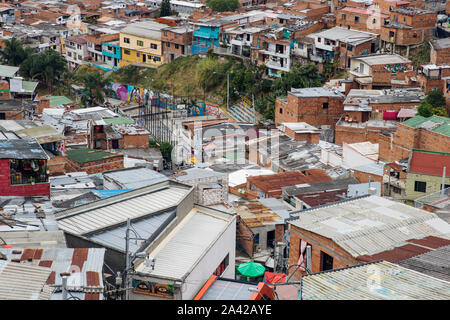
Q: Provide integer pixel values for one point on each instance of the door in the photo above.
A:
(115, 144)
(144, 58)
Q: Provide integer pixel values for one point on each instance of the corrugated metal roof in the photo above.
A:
(23, 282)
(228, 290)
(84, 265)
(135, 178)
(8, 71)
(115, 210)
(374, 281)
(145, 228)
(429, 162)
(185, 245)
(435, 263)
(370, 225)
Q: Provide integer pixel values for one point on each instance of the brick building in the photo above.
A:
(301, 131)
(340, 44)
(416, 133)
(118, 133)
(175, 42)
(328, 229)
(407, 27)
(92, 161)
(23, 168)
(440, 51)
(315, 106)
(271, 185)
(381, 71)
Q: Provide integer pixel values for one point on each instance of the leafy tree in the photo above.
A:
(436, 98)
(433, 104)
(46, 66)
(166, 150)
(165, 9)
(425, 109)
(95, 88)
(13, 54)
(223, 5)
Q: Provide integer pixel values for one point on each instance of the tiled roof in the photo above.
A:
(429, 162)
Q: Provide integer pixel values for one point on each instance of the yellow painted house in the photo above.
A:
(141, 44)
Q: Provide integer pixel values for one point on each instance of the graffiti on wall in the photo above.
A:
(137, 95)
(394, 68)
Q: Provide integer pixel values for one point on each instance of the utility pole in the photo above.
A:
(443, 183)
(127, 257)
(228, 91)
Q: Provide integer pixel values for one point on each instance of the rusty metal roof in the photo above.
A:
(84, 265)
(255, 214)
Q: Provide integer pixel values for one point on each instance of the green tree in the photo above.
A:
(165, 9)
(223, 5)
(166, 150)
(433, 104)
(425, 109)
(46, 66)
(95, 87)
(13, 54)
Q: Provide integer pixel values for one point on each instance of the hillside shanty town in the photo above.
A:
(225, 150)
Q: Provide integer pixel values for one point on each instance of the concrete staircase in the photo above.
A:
(244, 112)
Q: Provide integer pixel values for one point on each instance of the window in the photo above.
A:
(79, 57)
(404, 19)
(78, 46)
(325, 105)
(127, 52)
(167, 44)
(153, 46)
(270, 242)
(281, 110)
(326, 261)
(2, 116)
(343, 17)
(222, 266)
(440, 188)
(176, 46)
(356, 19)
(165, 33)
(414, 35)
(374, 21)
(396, 190)
(28, 171)
(138, 54)
(126, 40)
(319, 39)
(140, 43)
(391, 33)
(420, 186)
(302, 252)
(156, 59)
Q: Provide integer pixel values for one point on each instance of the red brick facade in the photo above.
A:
(111, 163)
(6, 189)
(316, 111)
(319, 244)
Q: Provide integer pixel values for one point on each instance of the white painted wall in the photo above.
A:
(210, 261)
